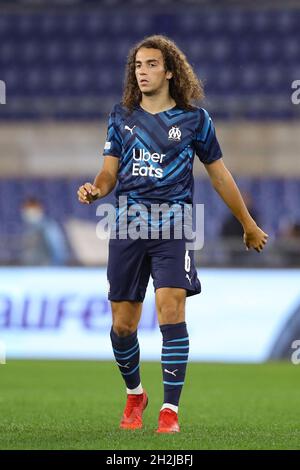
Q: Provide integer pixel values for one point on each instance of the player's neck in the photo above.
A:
(157, 103)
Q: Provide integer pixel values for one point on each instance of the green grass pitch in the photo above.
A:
(78, 405)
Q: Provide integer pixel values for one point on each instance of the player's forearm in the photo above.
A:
(105, 182)
(229, 192)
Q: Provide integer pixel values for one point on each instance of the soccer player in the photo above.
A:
(152, 138)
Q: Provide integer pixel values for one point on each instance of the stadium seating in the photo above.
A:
(59, 198)
(71, 64)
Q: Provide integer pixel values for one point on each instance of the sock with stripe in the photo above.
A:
(174, 360)
(127, 354)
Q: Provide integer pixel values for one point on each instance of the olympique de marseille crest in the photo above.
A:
(174, 133)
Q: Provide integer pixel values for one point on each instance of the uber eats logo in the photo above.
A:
(2, 92)
(139, 169)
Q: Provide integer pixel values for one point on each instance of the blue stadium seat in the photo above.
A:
(240, 53)
(59, 196)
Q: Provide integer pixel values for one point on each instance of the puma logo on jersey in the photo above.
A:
(126, 366)
(130, 129)
(188, 277)
(172, 372)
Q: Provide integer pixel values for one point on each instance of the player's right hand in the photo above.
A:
(87, 193)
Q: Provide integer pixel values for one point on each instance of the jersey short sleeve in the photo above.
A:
(205, 141)
(113, 144)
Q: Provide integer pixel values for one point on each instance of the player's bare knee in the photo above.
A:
(122, 328)
(169, 314)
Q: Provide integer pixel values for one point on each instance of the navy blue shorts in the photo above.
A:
(130, 263)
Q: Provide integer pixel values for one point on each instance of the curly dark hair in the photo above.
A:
(184, 86)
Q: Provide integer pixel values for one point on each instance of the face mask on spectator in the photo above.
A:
(32, 215)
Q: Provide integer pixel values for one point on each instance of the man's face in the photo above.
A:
(150, 71)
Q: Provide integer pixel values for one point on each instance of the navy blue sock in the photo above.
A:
(174, 359)
(127, 353)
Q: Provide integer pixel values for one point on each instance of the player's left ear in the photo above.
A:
(169, 75)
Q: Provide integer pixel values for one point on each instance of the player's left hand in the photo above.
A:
(255, 238)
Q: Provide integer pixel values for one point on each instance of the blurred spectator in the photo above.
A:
(231, 227)
(43, 240)
(232, 235)
(291, 231)
(289, 242)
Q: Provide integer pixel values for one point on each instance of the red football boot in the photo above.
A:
(132, 416)
(168, 421)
